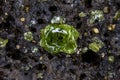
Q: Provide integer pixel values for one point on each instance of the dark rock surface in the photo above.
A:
(19, 62)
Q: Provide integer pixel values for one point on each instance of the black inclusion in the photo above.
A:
(52, 8)
(88, 3)
(41, 21)
(91, 57)
(60, 37)
(82, 76)
(41, 67)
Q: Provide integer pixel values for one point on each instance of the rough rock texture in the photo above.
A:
(18, 61)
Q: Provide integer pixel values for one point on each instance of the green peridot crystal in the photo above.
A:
(28, 36)
(3, 42)
(96, 45)
(96, 15)
(57, 38)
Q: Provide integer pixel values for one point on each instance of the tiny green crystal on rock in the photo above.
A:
(96, 45)
(96, 15)
(57, 38)
(117, 15)
(28, 36)
(82, 14)
(3, 42)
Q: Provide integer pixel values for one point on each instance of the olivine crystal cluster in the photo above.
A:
(58, 37)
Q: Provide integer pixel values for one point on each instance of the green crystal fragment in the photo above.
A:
(57, 19)
(3, 42)
(57, 38)
(117, 15)
(111, 58)
(28, 36)
(82, 14)
(96, 45)
(96, 15)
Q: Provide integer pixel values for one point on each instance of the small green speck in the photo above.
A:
(34, 49)
(96, 45)
(57, 19)
(93, 46)
(28, 36)
(82, 14)
(26, 67)
(96, 15)
(84, 49)
(40, 75)
(111, 58)
(3, 42)
(117, 15)
(106, 9)
(111, 75)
